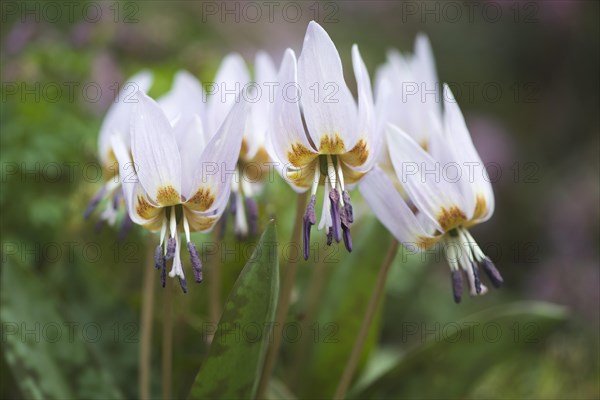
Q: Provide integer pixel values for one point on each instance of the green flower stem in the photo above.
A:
(148, 293)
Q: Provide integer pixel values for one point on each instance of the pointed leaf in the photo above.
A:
(236, 356)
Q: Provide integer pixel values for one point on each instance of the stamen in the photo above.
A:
(334, 197)
(233, 203)
(126, 226)
(492, 273)
(252, 215)
(173, 222)
(477, 278)
(116, 199)
(329, 236)
(94, 202)
(347, 238)
(310, 219)
(171, 245)
(183, 284)
(163, 230)
(196, 263)
(347, 206)
(158, 257)
(186, 228)
(241, 225)
(456, 285)
(331, 172)
(316, 180)
(340, 175)
(163, 273)
(223, 225)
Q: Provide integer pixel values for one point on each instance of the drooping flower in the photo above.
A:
(408, 93)
(449, 187)
(233, 76)
(116, 121)
(172, 183)
(339, 144)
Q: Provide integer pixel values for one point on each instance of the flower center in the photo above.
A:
(463, 253)
(337, 214)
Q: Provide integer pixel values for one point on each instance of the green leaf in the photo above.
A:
(48, 356)
(235, 358)
(457, 355)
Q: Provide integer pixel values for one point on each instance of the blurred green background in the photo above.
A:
(527, 74)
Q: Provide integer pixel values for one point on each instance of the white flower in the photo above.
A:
(232, 77)
(448, 203)
(408, 92)
(116, 121)
(339, 144)
(172, 183)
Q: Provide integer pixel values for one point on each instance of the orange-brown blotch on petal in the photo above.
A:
(167, 196)
(358, 155)
(451, 217)
(300, 156)
(424, 243)
(200, 223)
(201, 200)
(144, 209)
(332, 145)
(480, 206)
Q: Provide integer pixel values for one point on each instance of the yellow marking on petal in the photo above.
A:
(332, 145)
(303, 177)
(201, 200)
(350, 175)
(451, 217)
(144, 209)
(480, 206)
(199, 223)
(167, 196)
(358, 155)
(425, 242)
(300, 156)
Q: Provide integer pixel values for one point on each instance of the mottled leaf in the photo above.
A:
(236, 356)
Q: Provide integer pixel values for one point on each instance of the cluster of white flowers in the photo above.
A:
(318, 135)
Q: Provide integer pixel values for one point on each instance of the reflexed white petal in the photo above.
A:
(216, 166)
(366, 111)
(421, 176)
(285, 129)
(184, 100)
(475, 183)
(329, 108)
(119, 113)
(424, 63)
(155, 151)
(191, 141)
(224, 92)
(265, 79)
(132, 190)
(390, 208)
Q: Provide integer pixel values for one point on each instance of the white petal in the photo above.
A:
(119, 113)
(265, 80)
(191, 141)
(475, 183)
(155, 152)
(218, 163)
(391, 210)
(366, 111)
(224, 92)
(329, 108)
(422, 177)
(286, 133)
(424, 63)
(185, 99)
(132, 190)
